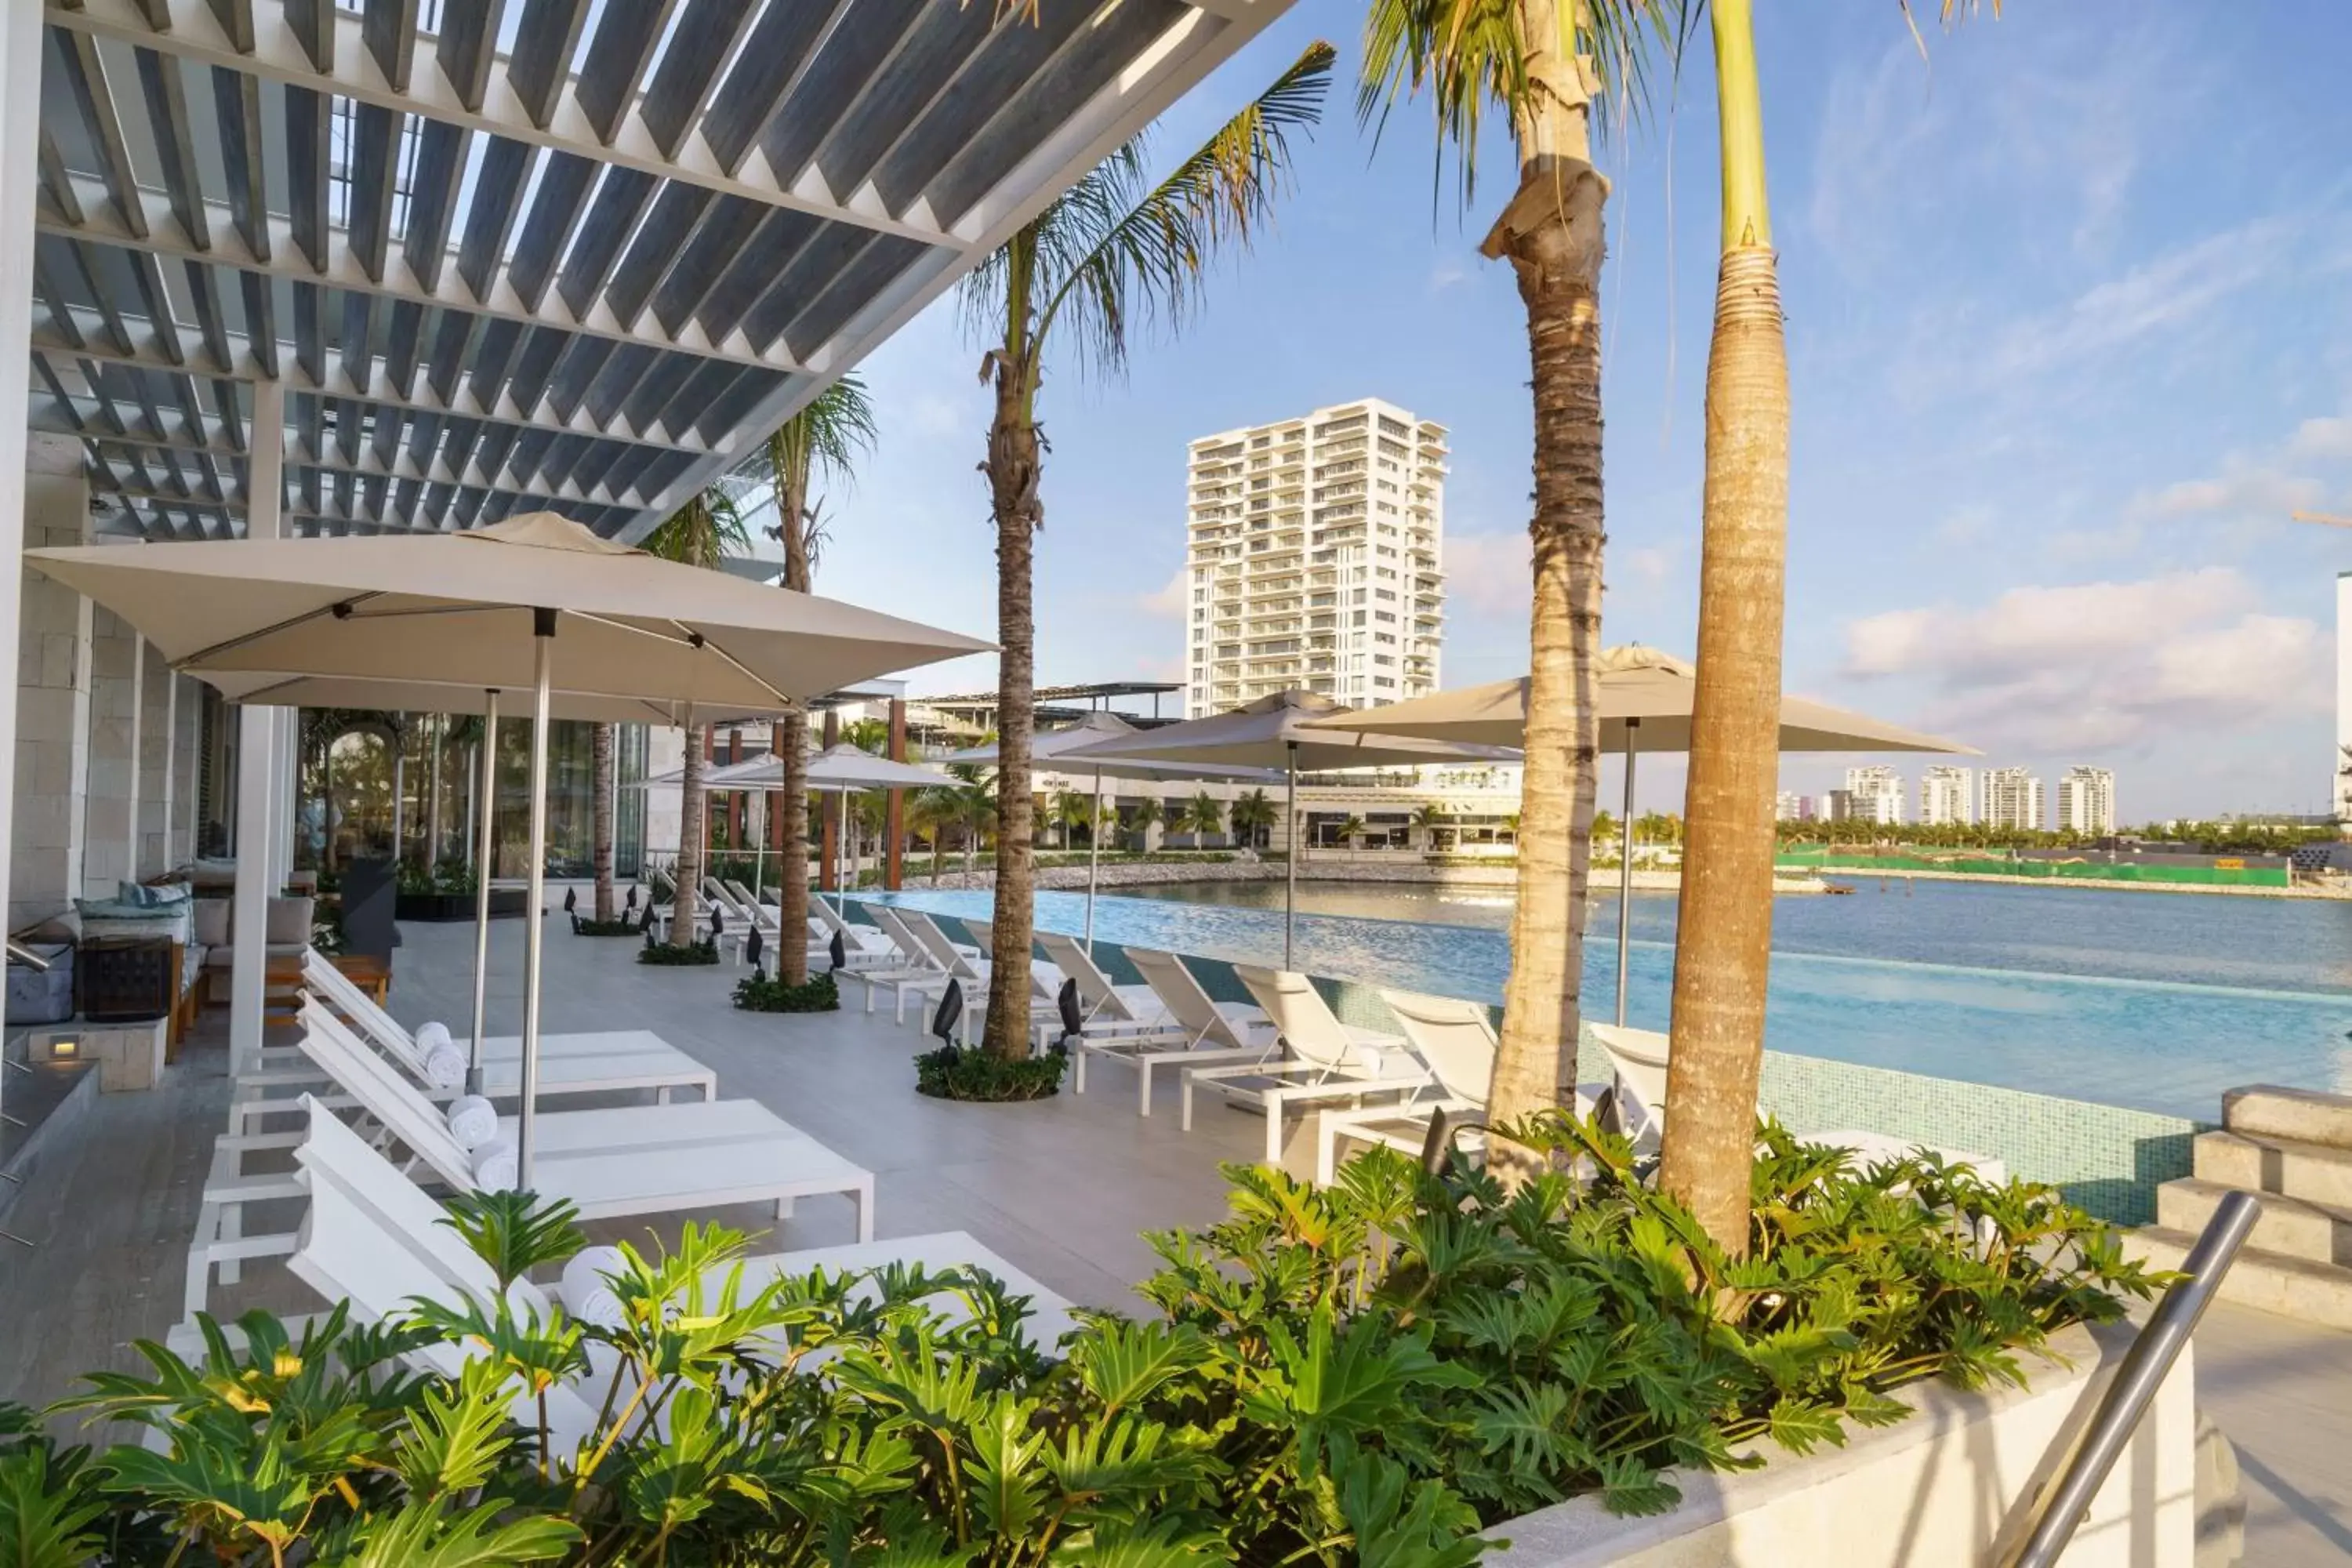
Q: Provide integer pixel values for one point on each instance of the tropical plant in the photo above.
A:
(1253, 816)
(1351, 831)
(1548, 64)
(1109, 252)
(1431, 819)
(930, 812)
(756, 993)
(1071, 809)
(603, 782)
(1143, 817)
(676, 955)
(952, 1072)
(975, 791)
(703, 532)
(1367, 1373)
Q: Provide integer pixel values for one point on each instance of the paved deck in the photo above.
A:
(1061, 1187)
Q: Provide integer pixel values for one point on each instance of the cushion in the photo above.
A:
(212, 926)
(213, 873)
(139, 895)
(290, 921)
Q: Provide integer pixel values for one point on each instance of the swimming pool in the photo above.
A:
(2161, 1045)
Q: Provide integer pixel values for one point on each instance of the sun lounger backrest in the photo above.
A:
(1638, 1057)
(910, 947)
(1453, 1036)
(385, 1095)
(373, 1239)
(1095, 989)
(927, 932)
(320, 974)
(1300, 1014)
(821, 911)
(1175, 986)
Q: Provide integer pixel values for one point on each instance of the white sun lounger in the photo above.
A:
(1104, 1007)
(372, 1238)
(918, 973)
(1330, 1060)
(1045, 979)
(1204, 1032)
(621, 1062)
(866, 946)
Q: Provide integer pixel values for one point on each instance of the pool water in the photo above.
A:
(2155, 1001)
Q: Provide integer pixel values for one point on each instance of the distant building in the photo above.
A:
(2086, 801)
(1314, 558)
(1790, 806)
(2011, 798)
(1877, 794)
(1947, 796)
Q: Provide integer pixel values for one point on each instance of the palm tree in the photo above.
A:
(1073, 810)
(975, 792)
(930, 812)
(1546, 63)
(1108, 251)
(1144, 815)
(1204, 816)
(600, 741)
(702, 532)
(1353, 830)
(1431, 817)
(828, 434)
(1253, 814)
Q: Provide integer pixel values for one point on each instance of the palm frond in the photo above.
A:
(1469, 57)
(1151, 257)
(829, 434)
(703, 532)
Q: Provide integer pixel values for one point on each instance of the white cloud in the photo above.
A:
(2096, 667)
(1169, 600)
(1489, 573)
(2328, 437)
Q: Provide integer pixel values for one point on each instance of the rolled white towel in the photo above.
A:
(587, 1294)
(445, 1065)
(432, 1035)
(497, 1166)
(473, 1122)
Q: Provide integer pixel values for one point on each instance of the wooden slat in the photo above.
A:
(434, 185)
(313, 23)
(776, 55)
(468, 44)
(237, 105)
(388, 27)
(845, 68)
(497, 196)
(167, 115)
(617, 61)
(235, 19)
(85, 78)
(557, 209)
(700, 47)
(544, 43)
(942, 40)
(375, 133)
(1015, 51)
(308, 158)
(620, 200)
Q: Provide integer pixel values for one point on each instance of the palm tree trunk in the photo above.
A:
(1013, 477)
(691, 836)
(1723, 944)
(601, 748)
(1553, 233)
(792, 744)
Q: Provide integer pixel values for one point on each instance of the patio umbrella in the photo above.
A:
(1276, 731)
(426, 697)
(1645, 704)
(1097, 729)
(485, 608)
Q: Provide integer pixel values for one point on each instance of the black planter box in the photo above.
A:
(506, 903)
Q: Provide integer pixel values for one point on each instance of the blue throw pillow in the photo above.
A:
(138, 895)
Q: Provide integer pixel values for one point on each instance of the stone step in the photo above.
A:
(2294, 1288)
(2302, 1115)
(2315, 1172)
(2293, 1227)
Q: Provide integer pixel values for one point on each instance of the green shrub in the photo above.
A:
(1363, 1373)
(953, 1073)
(583, 926)
(663, 952)
(756, 993)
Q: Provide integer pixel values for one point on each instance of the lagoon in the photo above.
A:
(2156, 1001)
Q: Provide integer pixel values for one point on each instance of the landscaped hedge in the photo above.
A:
(1367, 1374)
(759, 993)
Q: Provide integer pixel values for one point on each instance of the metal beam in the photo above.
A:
(380, 389)
(343, 263)
(278, 54)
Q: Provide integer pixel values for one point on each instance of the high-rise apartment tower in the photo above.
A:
(1315, 558)
(2086, 801)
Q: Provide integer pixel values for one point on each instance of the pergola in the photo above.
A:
(461, 258)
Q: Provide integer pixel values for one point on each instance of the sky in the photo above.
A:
(2067, 326)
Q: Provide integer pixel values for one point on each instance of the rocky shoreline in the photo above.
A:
(1403, 871)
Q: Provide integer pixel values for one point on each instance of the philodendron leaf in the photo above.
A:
(45, 1516)
(426, 1535)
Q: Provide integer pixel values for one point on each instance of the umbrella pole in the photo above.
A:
(1290, 860)
(543, 637)
(485, 793)
(1094, 863)
(840, 831)
(1625, 874)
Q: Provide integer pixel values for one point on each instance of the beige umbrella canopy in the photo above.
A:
(458, 609)
(1639, 689)
(1645, 706)
(275, 690)
(498, 608)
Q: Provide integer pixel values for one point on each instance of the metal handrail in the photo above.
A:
(2144, 1367)
(19, 953)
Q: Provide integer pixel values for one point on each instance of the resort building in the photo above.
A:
(1875, 793)
(1315, 555)
(2086, 801)
(1790, 806)
(1946, 795)
(2011, 798)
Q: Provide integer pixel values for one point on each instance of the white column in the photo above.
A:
(111, 853)
(158, 719)
(20, 137)
(187, 763)
(260, 830)
(49, 700)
